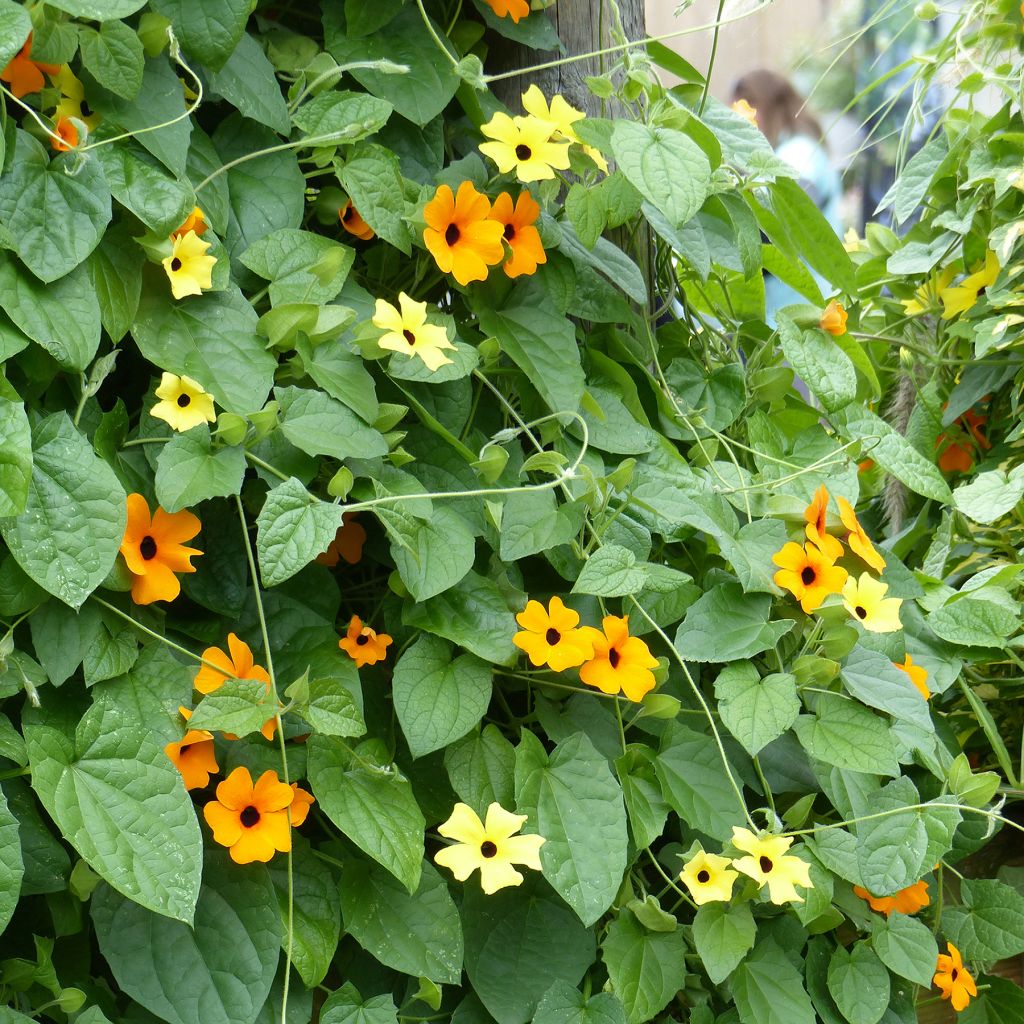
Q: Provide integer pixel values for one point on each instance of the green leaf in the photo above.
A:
(727, 625)
(98, 10)
(69, 534)
(769, 990)
(210, 338)
(229, 958)
(116, 278)
(343, 376)
(373, 180)
(859, 983)
(437, 700)
(1003, 1003)
(519, 942)
(874, 680)
(906, 946)
(696, 785)
(301, 266)
(348, 115)
(331, 710)
(645, 805)
(847, 735)
(240, 706)
(421, 93)
(209, 31)
(418, 933)
(55, 218)
(247, 81)
(819, 362)
(990, 923)
(62, 317)
(606, 258)
(293, 528)
(542, 343)
(667, 167)
(978, 619)
(755, 710)
(892, 451)
(714, 399)
(990, 495)
(113, 56)
(611, 571)
(12, 867)
(120, 802)
(319, 425)
(722, 935)
(646, 969)
(347, 1006)
(373, 805)
(15, 25)
(190, 470)
(15, 457)
(531, 522)
(584, 208)
(565, 1004)
(481, 768)
(47, 864)
(574, 801)
(473, 614)
(316, 910)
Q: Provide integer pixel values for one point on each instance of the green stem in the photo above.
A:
(267, 467)
(434, 35)
(711, 59)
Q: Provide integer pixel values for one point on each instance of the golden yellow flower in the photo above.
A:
(907, 901)
(72, 101)
(184, 403)
(363, 645)
(551, 637)
(154, 550)
(865, 600)
(407, 331)
(833, 319)
(709, 878)
(745, 110)
(188, 267)
(621, 663)
(816, 515)
(768, 864)
(953, 980)
(918, 676)
(959, 298)
(808, 574)
(193, 755)
(251, 820)
(195, 221)
(459, 234)
(860, 543)
(524, 144)
(563, 116)
(927, 297)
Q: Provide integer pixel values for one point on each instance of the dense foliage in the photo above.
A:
(431, 585)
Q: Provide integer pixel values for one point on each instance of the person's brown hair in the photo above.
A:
(780, 108)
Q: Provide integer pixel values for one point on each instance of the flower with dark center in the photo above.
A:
(463, 242)
(768, 863)
(251, 820)
(519, 231)
(154, 550)
(364, 645)
(621, 663)
(184, 403)
(709, 878)
(550, 636)
(524, 145)
(189, 268)
(865, 598)
(808, 573)
(407, 332)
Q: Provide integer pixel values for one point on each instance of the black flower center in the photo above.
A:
(249, 817)
(807, 575)
(409, 337)
(523, 152)
(452, 234)
(509, 232)
(349, 213)
(703, 877)
(362, 639)
(552, 636)
(184, 401)
(185, 750)
(862, 612)
(147, 547)
(765, 864)
(175, 264)
(952, 974)
(86, 109)
(487, 848)
(613, 658)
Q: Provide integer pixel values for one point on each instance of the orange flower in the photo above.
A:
(364, 645)
(68, 133)
(833, 319)
(195, 221)
(300, 805)
(808, 574)
(745, 110)
(194, 755)
(906, 901)
(918, 675)
(519, 231)
(353, 223)
(816, 514)
(514, 9)
(621, 663)
(459, 235)
(860, 543)
(153, 549)
(953, 980)
(960, 457)
(347, 544)
(251, 821)
(239, 665)
(25, 75)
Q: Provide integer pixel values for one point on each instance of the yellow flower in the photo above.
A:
(961, 297)
(154, 549)
(926, 298)
(524, 144)
(551, 637)
(183, 402)
(563, 116)
(918, 675)
(491, 846)
(808, 574)
(408, 332)
(459, 234)
(953, 980)
(852, 241)
(72, 101)
(860, 543)
(815, 515)
(193, 755)
(621, 663)
(188, 267)
(865, 599)
(251, 820)
(833, 319)
(746, 111)
(709, 878)
(768, 865)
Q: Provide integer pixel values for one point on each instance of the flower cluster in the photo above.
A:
(608, 658)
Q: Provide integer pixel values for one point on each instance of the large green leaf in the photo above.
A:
(209, 30)
(247, 80)
(519, 942)
(755, 710)
(347, 1006)
(906, 946)
(221, 971)
(768, 989)
(15, 457)
(116, 279)
(990, 495)
(874, 680)
(977, 619)
(189, 470)
(847, 735)
(727, 625)
(481, 768)
(989, 925)
(575, 803)
(418, 933)
(68, 536)
(373, 180)
(438, 699)
(98, 10)
(646, 969)
(114, 57)
(12, 866)
(723, 935)
(15, 25)
(820, 362)
(120, 802)
(565, 1004)
(55, 218)
(859, 983)
(62, 317)
(372, 803)
(319, 425)
(210, 338)
(301, 266)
